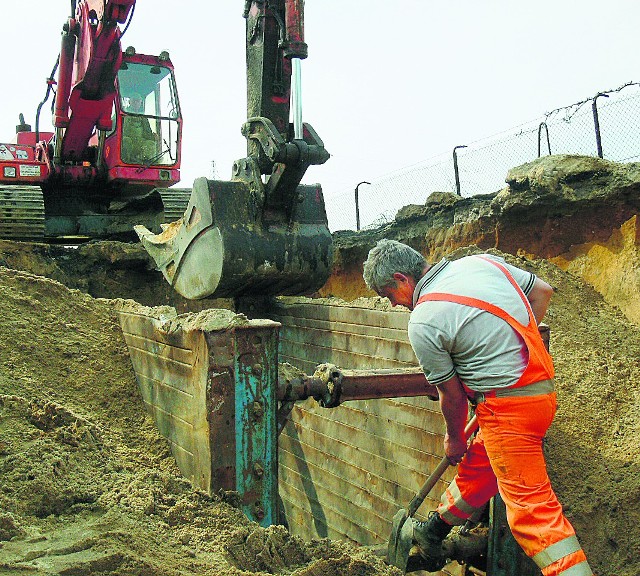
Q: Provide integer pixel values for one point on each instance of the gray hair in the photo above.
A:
(388, 257)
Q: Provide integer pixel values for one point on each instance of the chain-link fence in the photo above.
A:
(610, 128)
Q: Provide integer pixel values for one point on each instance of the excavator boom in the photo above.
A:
(90, 58)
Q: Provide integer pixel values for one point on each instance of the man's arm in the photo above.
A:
(539, 298)
(455, 409)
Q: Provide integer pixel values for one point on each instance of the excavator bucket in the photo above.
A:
(226, 245)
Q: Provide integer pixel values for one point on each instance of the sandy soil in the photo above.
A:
(87, 485)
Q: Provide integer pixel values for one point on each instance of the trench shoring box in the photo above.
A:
(342, 472)
(209, 381)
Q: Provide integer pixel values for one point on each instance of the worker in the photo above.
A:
(139, 142)
(474, 329)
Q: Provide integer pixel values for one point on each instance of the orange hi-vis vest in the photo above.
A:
(539, 364)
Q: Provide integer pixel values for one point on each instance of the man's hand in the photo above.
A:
(454, 448)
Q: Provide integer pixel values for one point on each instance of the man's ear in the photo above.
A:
(399, 277)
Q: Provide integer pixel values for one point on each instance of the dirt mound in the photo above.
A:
(87, 485)
(578, 212)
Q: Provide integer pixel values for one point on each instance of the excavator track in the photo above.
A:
(175, 201)
(22, 213)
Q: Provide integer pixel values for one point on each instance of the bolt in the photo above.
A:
(258, 411)
(258, 471)
(256, 369)
(259, 511)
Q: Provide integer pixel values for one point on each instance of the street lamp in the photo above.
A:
(358, 204)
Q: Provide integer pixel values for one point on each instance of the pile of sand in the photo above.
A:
(87, 485)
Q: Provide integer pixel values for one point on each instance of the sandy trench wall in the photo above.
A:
(611, 266)
(579, 212)
(344, 472)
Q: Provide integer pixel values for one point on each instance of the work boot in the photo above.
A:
(428, 537)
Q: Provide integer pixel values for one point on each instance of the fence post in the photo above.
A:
(455, 168)
(546, 129)
(358, 204)
(596, 122)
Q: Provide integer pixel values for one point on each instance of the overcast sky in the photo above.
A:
(387, 83)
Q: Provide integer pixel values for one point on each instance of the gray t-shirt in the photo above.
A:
(449, 338)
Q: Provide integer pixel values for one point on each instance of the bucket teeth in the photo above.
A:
(159, 246)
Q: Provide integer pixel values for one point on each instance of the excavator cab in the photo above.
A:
(124, 173)
(262, 232)
(147, 123)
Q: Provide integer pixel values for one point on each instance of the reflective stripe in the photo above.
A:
(458, 501)
(556, 551)
(453, 498)
(582, 569)
(535, 389)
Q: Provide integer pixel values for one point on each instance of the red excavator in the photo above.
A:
(262, 232)
(115, 149)
(115, 152)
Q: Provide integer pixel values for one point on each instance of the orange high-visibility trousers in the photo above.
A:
(507, 456)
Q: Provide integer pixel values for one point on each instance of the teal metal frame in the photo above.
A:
(256, 380)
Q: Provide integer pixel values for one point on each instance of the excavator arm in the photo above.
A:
(262, 233)
(90, 57)
(275, 38)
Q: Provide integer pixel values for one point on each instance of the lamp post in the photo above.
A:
(358, 204)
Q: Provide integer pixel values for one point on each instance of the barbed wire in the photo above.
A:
(484, 164)
(576, 106)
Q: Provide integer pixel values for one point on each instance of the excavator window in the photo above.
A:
(150, 114)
